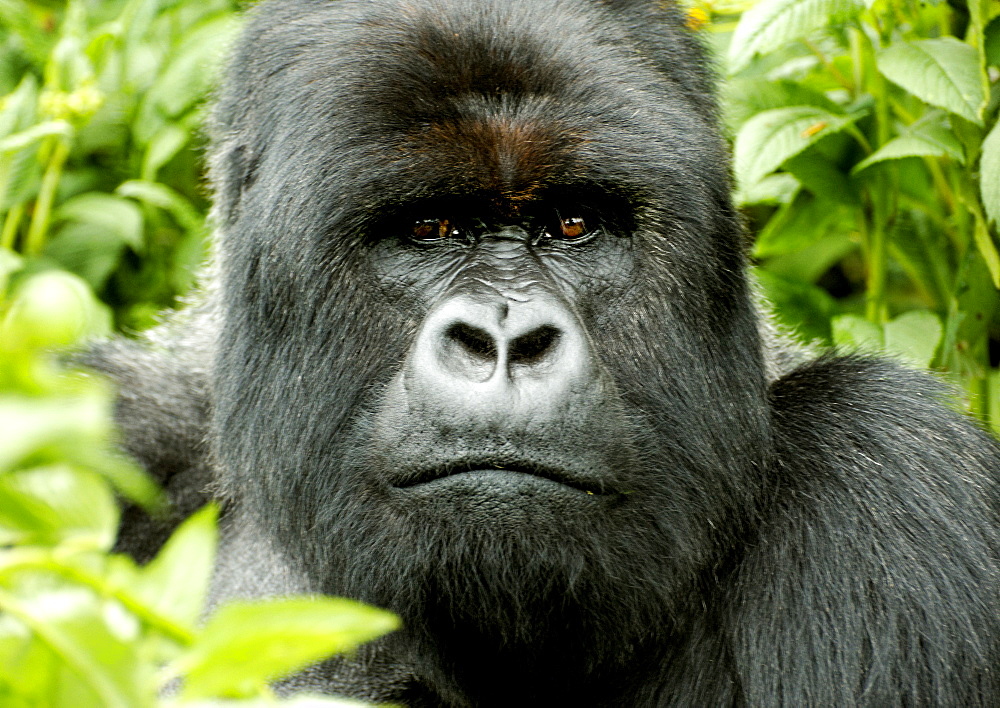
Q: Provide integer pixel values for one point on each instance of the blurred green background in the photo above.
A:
(867, 164)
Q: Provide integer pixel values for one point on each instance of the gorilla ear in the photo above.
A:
(234, 170)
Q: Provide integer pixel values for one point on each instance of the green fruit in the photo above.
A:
(53, 309)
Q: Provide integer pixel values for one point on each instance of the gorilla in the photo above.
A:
(479, 345)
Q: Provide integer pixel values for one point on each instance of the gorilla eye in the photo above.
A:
(431, 230)
(570, 229)
(573, 227)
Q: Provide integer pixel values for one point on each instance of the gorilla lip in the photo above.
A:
(552, 474)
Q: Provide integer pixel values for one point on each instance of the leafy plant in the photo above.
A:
(867, 158)
(99, 130)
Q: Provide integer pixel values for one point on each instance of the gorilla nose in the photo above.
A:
(523, 353)
(468, 351)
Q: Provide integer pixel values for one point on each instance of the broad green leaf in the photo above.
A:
(855, 333)
(801, 307)
(272, 638)
(809, 264)
(120, 219)
(769, 138)
(772, 23)
(744, 98)
(823, 178)
(191, 71)
(773, 189)
(175, 583)
(989, 175)
(917, 144)
(162, 148)
(84, 249)
(57, 505)
(914, 337)
(94, 656)
(163, 197)
(27, 138)
(802, 223)
(51, 428)
(944, 72)
(18, 108)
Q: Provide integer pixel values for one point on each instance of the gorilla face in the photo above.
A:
(488, 356)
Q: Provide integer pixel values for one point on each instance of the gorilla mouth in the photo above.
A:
(488, 469)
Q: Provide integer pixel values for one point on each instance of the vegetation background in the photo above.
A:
(867, 163)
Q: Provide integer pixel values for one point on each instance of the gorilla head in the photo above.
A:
(487, 355)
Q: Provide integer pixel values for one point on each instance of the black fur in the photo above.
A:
(729, 523)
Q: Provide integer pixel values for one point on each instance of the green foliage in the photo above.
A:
(867, 160)
(99, 132)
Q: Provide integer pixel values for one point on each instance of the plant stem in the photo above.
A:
(10, 225)
(35, 241)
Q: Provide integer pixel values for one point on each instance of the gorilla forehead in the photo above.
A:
(476, 93)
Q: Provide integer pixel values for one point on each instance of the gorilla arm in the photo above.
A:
(163, 411)
(866, 583)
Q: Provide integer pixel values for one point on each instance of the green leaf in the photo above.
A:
(191, 71)
(803, 222)
(120, 219)
(744, 98)
(18, 109)
(54, 425)
(914, 337)
(175, 583)
(34, 134)
(163, 197)
(943, 72)
(10, 263)
(162, 148)
(856, 333)
(989, 175)
(769, 138)
(803, 308)
(91, 644)
(774, 189)
(57, 505)
(928, 143)
(273, 638)
(771, 24)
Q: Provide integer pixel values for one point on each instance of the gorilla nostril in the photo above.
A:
(534, 346)
(474, 341)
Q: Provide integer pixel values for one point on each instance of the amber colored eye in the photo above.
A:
(573, 227)
(434, 230)
(570, 230)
